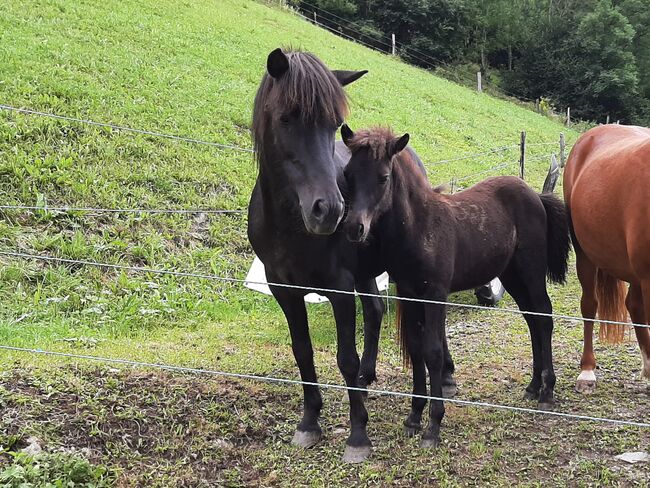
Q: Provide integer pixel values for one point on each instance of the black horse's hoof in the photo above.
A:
(411, 430)
(429, 443)
(356, 454)
(306, 439)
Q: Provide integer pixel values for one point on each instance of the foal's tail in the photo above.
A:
(558, 240)
(401, 335)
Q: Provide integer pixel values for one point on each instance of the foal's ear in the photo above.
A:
(277, 63)
(346, 134)
(398, 145)
(347, 77)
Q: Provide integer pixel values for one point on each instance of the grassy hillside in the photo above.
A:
(191, 69)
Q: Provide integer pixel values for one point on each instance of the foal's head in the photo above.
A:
(369, 176)
(298, 108)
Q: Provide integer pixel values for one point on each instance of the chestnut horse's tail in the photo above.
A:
(558, 238)
(401, 335)
(610, 295)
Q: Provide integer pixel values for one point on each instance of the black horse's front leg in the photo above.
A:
(373, 312)
(308, 432)
(358, 444)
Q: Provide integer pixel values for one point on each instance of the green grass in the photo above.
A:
(191, 69)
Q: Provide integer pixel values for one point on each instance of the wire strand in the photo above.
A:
(272, 379)
(312, 289)
(121, 210)
(123, 128)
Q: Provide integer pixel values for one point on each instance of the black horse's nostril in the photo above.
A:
(360, 231)
(320, 208)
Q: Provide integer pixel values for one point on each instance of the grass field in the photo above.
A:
(191, 69)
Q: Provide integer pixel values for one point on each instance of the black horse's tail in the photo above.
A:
(558, 240)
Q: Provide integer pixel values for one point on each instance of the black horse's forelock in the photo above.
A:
(308, 87)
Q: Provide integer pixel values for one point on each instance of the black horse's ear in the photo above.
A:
(399, 144)
(346, 134)
(277, 63)
(347, 77)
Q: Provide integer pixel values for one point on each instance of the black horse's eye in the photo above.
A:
(383, 178)
(346, 174)
(285, 119)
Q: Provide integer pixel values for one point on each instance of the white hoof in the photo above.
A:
(586, 383)
(356, 455)
(306, 439)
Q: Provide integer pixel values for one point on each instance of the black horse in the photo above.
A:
(433, 244)
(293, 214)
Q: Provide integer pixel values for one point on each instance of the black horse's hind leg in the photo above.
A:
(449, 385)
(308, 432)
(432, 344)
(358, 444)
(373, 312)
(412, 321)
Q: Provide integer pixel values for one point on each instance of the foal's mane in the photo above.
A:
(308, 87)
(375, 139)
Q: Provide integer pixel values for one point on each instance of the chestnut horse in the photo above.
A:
(606, 181)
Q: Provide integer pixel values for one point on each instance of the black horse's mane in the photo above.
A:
(308, 87)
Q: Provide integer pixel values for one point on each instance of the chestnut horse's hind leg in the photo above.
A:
(373, 312)
(643, 333)
(308, 432)
(586, 382)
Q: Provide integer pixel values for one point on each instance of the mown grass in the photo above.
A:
(191, 69)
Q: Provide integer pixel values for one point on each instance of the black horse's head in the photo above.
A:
(298, 108)
(368, 176)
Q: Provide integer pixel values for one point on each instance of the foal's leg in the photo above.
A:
(412, 321)
(373, 312)
(308, 432)
(358, 444)
(643, 333)
(586, 382)
(449, 385)
(516, 287)
(432, 344)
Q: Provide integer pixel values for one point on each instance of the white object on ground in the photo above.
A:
(634, 457)
(256, 280)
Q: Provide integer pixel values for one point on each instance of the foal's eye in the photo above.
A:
(383, 178)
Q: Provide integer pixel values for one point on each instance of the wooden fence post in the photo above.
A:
(315, 21)
(479, 86)
(393, 43)
(562, 149)
(522, 155)
(607, 122)
(538, 107)
(568, 116)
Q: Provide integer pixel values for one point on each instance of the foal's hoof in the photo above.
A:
(306, 439)
(430, 443)
(531, 395)
(546, 406)
(586, 383)
(356, 454)
(449, 391)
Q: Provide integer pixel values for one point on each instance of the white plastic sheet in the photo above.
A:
(256, 280)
